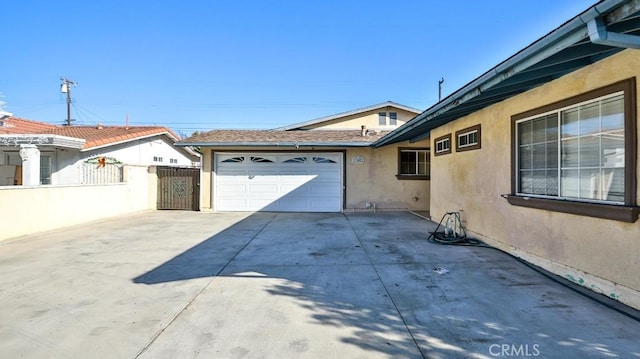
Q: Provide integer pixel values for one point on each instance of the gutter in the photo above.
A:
(41, 140)
(599, 35)
(559, 39)
(274, 144)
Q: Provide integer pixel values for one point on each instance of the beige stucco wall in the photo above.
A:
(598, 253)
(206, 180)
(373, 181)
(368, 119)
(28, 210)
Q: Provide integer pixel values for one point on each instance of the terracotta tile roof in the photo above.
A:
(275, 137)
(97, 136)
(17, 125)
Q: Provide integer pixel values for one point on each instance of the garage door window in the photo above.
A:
(260, 160)
(233, 160)
(296, 160)
(323, 160)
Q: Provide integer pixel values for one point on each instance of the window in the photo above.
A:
(580, 151)
(173, 160)
(157, 159)
(13, 159)
(393, 118)
(260, 160)
(296, 160)
(414, 163)
(234, 160)
(443, 145)
(468, 139)
(45, 169)
(382, 118)
(323, 160)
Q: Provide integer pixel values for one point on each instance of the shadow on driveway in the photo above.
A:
(364, 286)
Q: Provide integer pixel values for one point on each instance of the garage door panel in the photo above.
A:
(231, 203)
(286, 189)
(327, 177)
(263, 188)
(295, 172)
(326, 189)
(306, 183)
(234, 189)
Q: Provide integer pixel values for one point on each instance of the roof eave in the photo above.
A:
(347, 113)
(275, 144)
(42, 140)
(168, 134)
(562, 37)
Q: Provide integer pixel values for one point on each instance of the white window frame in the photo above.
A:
(46, 170)
(469, 142)
(627, 212)
(558, 114)
(473, 138)
(393, 118)
(443, 149)
(417, 175)
(382, 118)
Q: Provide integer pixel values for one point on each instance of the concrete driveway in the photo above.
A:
(238, 285)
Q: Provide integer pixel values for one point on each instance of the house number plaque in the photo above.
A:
(357, 160)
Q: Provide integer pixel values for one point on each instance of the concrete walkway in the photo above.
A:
(237, 285)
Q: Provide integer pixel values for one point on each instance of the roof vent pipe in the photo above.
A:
(363, 130)
(599, 35)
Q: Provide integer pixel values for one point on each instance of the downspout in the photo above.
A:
(599, 35)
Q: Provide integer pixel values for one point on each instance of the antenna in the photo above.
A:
(440, 82)
(65, 87)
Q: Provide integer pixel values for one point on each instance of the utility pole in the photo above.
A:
(66, 88)
(440, 82)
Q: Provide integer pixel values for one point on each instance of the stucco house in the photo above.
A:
(322, 165)
(540, 153)
(35, 153)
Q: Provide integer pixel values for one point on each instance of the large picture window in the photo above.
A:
(575, 153)
(580, 150)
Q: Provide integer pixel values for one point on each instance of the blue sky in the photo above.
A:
(200, 65)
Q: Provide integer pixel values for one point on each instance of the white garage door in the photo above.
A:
(292, 182)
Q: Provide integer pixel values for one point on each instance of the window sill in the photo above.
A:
(413, 177)
(627, 214)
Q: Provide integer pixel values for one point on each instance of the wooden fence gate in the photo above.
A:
(178, 188)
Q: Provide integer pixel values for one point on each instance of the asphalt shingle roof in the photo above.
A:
(273, 137)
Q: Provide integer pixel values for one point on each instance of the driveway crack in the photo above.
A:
(404, 322)
(179, 313)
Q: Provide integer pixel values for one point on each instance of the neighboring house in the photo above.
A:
(33, 153)
(541, 152)
(323, 165)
